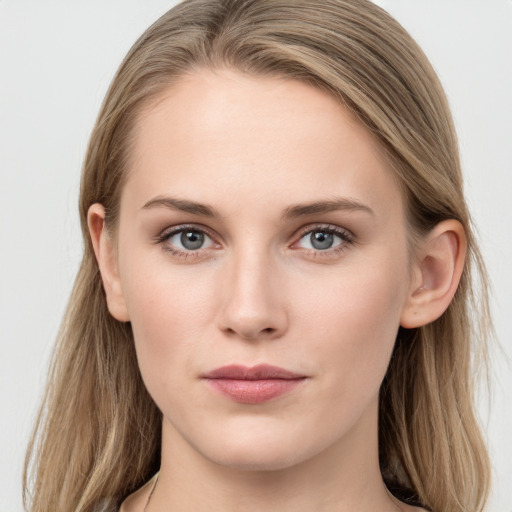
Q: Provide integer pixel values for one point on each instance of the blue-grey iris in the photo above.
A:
(321, 240)
(192, 240)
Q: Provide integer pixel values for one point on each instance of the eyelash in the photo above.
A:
(347, 239)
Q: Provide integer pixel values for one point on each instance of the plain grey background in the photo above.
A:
(56, 60)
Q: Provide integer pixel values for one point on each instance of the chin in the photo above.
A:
(255, 460)
(258, 452)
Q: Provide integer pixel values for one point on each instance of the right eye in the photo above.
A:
(188, 239)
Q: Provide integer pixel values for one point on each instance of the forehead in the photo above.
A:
(219, 135)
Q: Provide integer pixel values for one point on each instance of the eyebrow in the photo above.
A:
(319, 207)
(293, 211)
(181, 205)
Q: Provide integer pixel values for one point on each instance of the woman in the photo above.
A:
(272, 311)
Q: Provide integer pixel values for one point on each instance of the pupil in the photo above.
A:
(321, 240)
(192, 240)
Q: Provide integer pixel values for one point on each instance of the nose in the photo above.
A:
(253, 305)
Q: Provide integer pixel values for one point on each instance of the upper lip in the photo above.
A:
(258, 372)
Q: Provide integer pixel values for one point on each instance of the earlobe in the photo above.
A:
(440, 264)
(104, 250)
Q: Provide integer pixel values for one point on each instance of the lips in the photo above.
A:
(253, 385)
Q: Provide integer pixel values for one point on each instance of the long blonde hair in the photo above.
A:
(97, 436)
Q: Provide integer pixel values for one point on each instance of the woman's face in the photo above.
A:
(259, 225)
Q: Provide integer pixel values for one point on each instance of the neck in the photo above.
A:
(343, 477)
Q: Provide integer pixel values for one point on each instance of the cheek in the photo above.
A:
(353, 320)
(171, 313)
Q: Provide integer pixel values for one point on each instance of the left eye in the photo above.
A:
(189, 240)
(321, 240)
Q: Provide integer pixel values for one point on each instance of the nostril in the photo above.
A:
(252, 334)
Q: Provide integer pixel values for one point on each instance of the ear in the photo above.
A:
(436, 276)
(105, 252)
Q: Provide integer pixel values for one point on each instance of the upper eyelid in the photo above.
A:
(165, 233)
(323, 227)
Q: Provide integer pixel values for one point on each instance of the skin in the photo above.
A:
(257, 291)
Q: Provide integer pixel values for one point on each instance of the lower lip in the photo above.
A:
(254, 391)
